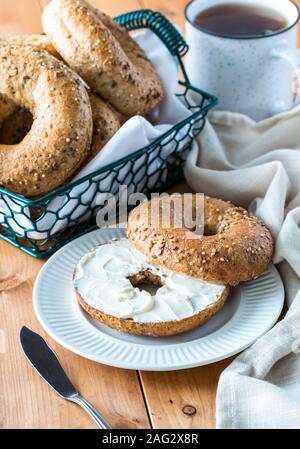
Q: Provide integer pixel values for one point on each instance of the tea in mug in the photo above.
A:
(240, 20)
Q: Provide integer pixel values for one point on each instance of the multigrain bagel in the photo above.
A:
(60, 137)
(39, 41)
(104, 55)
(235, 246)
(106, 282)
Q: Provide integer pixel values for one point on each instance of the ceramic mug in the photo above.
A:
(256, 76)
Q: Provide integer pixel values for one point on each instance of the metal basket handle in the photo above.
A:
(160, 25)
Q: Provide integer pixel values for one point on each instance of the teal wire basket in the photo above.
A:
(39, 227)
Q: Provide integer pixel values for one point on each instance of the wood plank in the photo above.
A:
(183, 399)
(25, 400)
(112, 8)
(168, 393)
(20, 17)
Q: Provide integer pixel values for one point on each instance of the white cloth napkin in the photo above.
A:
(136, 133)
(257, 165)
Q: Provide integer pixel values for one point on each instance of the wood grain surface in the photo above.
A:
(127, 399)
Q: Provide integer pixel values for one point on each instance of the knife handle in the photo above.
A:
(99, 420)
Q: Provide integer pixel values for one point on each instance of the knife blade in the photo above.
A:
(45, 361)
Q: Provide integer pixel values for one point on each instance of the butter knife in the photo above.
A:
(44, 360)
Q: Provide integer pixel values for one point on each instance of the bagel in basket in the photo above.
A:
(104, 55)
(106, 284)
(60, 137)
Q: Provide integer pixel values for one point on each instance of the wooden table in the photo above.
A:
(127, 399)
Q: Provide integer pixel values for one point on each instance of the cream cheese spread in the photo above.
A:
(101, 279)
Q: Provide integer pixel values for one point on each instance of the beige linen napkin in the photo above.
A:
(257, 165)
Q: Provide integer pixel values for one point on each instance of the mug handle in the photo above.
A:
(292, 57)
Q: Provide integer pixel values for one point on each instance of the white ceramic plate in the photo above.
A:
(251, 309)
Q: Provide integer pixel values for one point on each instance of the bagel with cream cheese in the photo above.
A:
(193, 272)
(106, 282)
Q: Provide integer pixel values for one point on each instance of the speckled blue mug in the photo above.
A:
(256, 76)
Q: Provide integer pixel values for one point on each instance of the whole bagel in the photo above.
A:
(60, 137)
(235, 246)
(104, 55)
(39, 41)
